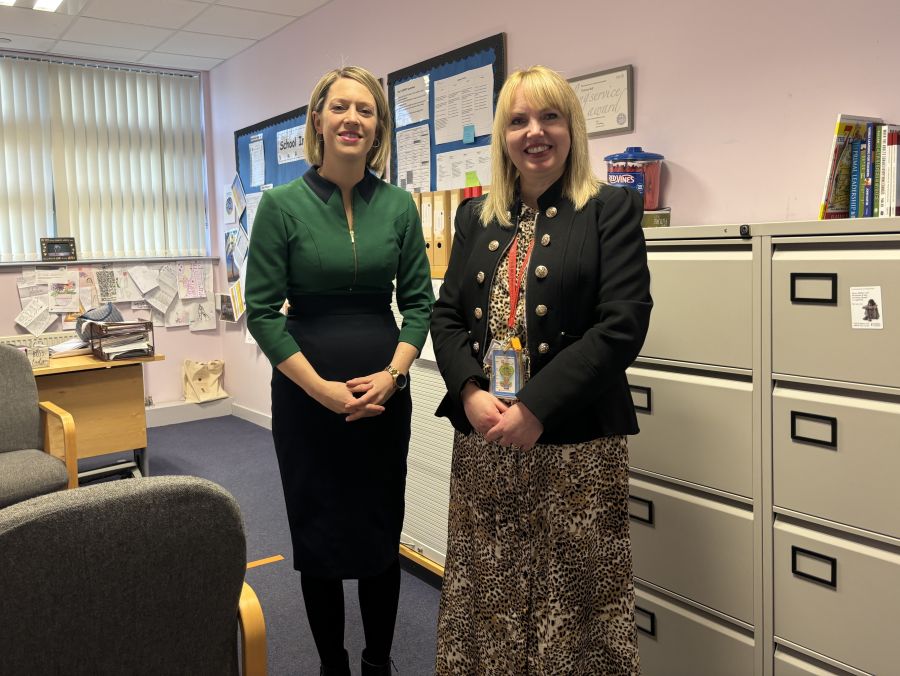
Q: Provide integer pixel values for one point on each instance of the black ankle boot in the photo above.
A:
(370, 669)
(339, 667)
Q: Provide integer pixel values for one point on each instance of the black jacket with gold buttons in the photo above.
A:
(587, 311)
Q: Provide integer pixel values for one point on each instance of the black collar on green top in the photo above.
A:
(324, 188)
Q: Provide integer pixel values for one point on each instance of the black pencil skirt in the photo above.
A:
(343, 482)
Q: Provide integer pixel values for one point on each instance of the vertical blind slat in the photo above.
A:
(118, 154)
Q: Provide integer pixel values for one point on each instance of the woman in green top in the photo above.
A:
(331, 243)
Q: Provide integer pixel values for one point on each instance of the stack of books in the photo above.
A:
(120, 340)
(863, 178)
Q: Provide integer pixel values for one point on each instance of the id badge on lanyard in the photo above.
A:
(507, 364)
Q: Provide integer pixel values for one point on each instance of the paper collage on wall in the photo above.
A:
(172, 294)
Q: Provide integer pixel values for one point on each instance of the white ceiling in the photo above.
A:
(185, 34)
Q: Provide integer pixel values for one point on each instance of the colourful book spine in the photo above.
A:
(868, 186)
(882, 170)
(894, 187)
(876, 170)
(854, 178)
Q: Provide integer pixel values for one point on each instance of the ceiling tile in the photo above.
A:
(161, 13)
(198, 44)
(25, 44)
(34, 24)
(116, 34)
(289, 7)
(98, 52)
(238, 23)
(179, 61)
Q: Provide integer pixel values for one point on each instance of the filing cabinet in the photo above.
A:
(790, 664)
(838, 596)
(670, 632)
(694, 546)
(772, 428)
(813, 316)
(822, 443)
(697, 427)
(702, 308)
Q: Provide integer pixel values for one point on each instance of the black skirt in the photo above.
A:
(343, 482)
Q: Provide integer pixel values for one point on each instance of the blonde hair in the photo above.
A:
(543, 88)
(314, 145)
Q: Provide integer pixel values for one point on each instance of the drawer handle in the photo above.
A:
(831, 442)
(831, 299)
(797, 556)
(642, 401)
(645, 621)
(644, 512)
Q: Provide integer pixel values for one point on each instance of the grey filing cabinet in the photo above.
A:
(694, 496)
(765, 488)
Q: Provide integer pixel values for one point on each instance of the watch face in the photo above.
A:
(401, 380)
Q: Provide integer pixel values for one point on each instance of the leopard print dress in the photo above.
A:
(538, 570)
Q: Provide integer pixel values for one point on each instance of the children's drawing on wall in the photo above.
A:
(107, 289)
(203, 313)
(87, 288)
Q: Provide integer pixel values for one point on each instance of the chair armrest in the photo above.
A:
(67, 422)
(253, 634)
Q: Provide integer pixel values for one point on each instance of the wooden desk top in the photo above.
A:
(87, 362)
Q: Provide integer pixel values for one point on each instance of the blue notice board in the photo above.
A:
(487, 52)
(277, 139)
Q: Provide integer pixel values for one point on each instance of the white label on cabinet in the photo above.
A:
(866, 309)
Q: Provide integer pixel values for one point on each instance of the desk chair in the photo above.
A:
(26, 470)
(143, 576)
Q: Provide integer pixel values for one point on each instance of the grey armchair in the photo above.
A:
(26, 470)
(137, 576)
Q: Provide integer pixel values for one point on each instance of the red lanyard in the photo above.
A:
(515, 278)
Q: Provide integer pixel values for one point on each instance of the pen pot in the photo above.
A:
(636, 169)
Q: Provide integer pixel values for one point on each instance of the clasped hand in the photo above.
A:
(507, 425)
(358, 398)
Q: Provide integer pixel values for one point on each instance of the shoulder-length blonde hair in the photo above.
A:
(314, 145)
(543, 88)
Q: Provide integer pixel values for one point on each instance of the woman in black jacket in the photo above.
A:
(545, 303)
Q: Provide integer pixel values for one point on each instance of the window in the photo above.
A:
(110, 156)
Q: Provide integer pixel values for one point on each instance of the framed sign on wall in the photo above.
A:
(607, 98)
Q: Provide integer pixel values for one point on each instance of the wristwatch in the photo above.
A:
(400, 379)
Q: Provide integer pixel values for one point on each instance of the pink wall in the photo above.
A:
(740, 97)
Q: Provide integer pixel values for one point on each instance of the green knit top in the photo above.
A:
(301, 245)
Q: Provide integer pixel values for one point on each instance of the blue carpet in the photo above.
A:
(240, 457)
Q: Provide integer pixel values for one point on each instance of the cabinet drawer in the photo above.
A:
(790, 664)
(676, 641)
(695, 546)
(838, 597)
(702, 305)
(811, 308)
(695, 428)
(837, 456)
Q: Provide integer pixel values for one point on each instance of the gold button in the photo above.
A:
(551, 212)
(541, 271)
(493, 245)
(540, 310)
(478, 313)
(476, 346)
(479, 278)
(545, 240)
(543, 348)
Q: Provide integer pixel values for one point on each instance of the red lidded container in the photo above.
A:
(636, 169)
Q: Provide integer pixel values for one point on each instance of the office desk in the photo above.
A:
(106, 399)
